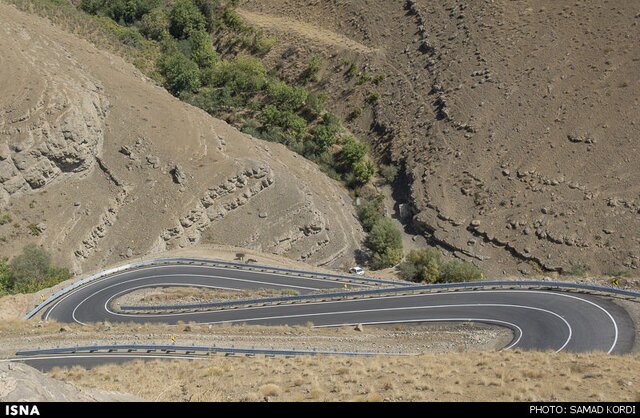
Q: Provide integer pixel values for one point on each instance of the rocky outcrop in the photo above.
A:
(22, 383)
(48, 128)
(117, 168)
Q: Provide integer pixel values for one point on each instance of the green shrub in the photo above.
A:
(425, 265)
(385, 242)
(33, 229)
(363, 78)
(389, 172)
(286, 97)
(213, 100)
(363, 171)
(289, 292)
(155, 24)
(352, 70)
(6, 281)
(290, 123)
(31, 271)
(233, 20)
(313, 69)
(421, 266)
(315, 105)
(5, 219)
(184, 19)
(577, 269)
(379, 79)
(209, 9)
(352, 152)
(373, 98)
(459, 271)
(370, 212)
(261, 44)
(202, 52)
(181, 74)
(354, 114)
(122, 11)
(240, 75)
(325, 133)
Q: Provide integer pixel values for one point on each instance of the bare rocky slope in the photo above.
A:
(99, 164)
(21, 383)
(517, 121)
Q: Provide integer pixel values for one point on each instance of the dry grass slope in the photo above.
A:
(504, 376)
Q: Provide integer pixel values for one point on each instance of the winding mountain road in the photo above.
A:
(539, 319)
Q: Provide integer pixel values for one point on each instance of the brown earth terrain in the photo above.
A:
(21, 383)
(486, 376)
(100, 165)
(516, 122)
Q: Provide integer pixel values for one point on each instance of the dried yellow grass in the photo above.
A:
(488, 376)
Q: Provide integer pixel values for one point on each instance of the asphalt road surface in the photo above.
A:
(539, 319)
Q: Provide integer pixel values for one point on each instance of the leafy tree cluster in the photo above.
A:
(239, 88)
(30, 271)
(383, 236)
(426, 266)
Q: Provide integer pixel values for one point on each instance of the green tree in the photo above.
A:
(202, 52)
(459, 271)
(290, 123)
(31, 266)
(389, 258)
(352, 152)
(122, 11)
(243, 74)
(370, 212)
(181, 73)
(209, 9)
(385, 242)
(325, 133)
(155, 24)
(286, 97)
(6, 280)
(422, 266)
(185, 18)
(363, 171)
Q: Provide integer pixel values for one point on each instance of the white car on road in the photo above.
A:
(357, 270)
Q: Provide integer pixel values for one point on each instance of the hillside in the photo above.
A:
(516, 122)
(100, 164)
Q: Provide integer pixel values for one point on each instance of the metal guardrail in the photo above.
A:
(183, 260)
(406, 288)
(168, 349)
(376, 292)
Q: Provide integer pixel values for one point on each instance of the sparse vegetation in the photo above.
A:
(426, 266)
(354, 114)
(310, 73)
(577, 269)
(30, 271)
(352, 70)
(5, 219)
(503, 376)
(372, 98)
(33, 229)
